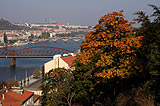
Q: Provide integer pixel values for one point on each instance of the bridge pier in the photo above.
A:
(12, 62)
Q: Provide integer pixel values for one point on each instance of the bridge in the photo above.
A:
(65, 39)
(32, 52)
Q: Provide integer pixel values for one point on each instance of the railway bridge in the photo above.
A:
(31, 52)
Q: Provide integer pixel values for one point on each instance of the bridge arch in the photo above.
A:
(31, 52)
(67, 39)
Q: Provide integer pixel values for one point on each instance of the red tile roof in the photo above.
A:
(36, 96)
(69, 60)
(13, 97)
(78, 53)
(60, 24)
(11, 104)
(1, 32)
(11, 35)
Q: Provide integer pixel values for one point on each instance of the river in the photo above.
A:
(26, 66)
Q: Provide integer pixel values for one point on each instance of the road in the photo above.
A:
(35, 84)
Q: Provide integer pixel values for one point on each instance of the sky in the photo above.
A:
(74, 12)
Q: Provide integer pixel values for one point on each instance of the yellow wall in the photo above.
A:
(55, 63)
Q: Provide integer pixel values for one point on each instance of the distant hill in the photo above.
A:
(6, 25)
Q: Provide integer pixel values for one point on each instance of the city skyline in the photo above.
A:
(82, 12)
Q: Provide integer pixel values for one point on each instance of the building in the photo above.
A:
(66, 61)
(2, 36)
(12, 37)
(36, 96)
(18, 97)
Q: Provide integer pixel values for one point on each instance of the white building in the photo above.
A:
(66, 61)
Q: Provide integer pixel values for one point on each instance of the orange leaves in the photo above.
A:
(104, 60)
(110, 35)
(121, 11)
(110, 73)
(132, 23)
(111, 47)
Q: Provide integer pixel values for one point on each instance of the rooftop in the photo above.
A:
(8, 95)
(69, 59)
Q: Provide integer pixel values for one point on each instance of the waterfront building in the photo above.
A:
(65, 61)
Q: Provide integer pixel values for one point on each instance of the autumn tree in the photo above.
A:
(108, 53)
(36, 73)
(111, 46)
(12, 83)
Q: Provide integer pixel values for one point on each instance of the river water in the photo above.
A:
(26, 66)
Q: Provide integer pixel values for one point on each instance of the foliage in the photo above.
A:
(136, 97)
(108, 61)
(31, 37)
(12, 41)
(5, 38)
(150, 56)
(12, 83)
(2, 84)
(36, 73)
(110, 48)
(57, 89)
(45, 34)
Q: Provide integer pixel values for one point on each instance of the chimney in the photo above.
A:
(3, 95)
(22, 92)
(7, 90)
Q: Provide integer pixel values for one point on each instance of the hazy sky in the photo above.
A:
(82, 12)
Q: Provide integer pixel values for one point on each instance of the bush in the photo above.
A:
(2, 84)
(136, 97)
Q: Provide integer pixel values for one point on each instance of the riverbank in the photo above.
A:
(30, 82)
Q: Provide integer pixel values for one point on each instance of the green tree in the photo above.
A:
(45, 34)
(150, 56)
(108, 57)
(31, 37)
(57, 89)
(5, 38)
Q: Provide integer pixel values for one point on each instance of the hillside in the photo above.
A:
(6, 25)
